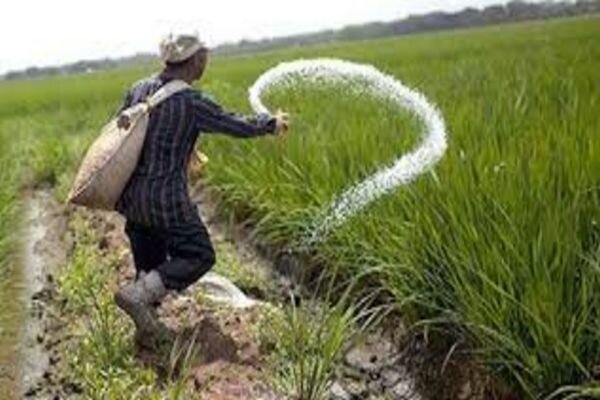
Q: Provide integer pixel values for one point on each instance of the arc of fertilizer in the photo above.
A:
(361, 78)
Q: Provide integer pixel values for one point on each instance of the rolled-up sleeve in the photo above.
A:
(210, 117)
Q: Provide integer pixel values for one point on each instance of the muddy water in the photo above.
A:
(22, 356)
(34, 360)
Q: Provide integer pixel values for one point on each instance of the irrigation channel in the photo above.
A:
(24, 358)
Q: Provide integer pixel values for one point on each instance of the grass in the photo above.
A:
(500, 248)
(497, 248)
(310, 340)
(10, 316)
(103, 363)
(8, 211)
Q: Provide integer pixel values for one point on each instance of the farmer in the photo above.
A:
(170, 244)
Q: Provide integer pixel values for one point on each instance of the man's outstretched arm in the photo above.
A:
(211, 117)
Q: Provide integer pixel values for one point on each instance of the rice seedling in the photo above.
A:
(103, 364)
(499, 244)
(309, 340)
(184, 352)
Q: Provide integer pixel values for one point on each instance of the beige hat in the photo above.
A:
(178, 48)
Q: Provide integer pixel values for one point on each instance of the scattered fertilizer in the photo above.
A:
(363, 79)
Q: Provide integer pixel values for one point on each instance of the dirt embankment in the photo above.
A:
(231, 364)
(44, 250)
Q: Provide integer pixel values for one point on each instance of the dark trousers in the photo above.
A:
(181, 255)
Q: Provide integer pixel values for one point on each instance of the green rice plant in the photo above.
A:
(495, 247)
(86, 273)
(50, 160)
(184, 352)
(310, 340)
(577, 392)
(10, 176)
(103, 362)
(10, 229)
(24, 99)
(54, 143)
(9, 207)
(109, 347)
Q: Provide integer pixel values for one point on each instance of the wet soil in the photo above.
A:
(32, 324)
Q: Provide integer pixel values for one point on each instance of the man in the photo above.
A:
(170, 244)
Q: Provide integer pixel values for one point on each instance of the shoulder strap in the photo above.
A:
(166, 91)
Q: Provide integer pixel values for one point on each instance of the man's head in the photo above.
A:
(185, 54)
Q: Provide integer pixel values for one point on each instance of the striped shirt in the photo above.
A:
(156, 194)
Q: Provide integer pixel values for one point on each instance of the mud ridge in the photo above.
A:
(45, 249)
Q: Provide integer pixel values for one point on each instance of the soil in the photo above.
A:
(230, 361)
(44, 251)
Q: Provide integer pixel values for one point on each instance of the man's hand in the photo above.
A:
(283, 122)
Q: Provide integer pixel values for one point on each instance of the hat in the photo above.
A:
(178, 48)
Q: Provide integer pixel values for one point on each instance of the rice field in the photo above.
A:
(497, 249)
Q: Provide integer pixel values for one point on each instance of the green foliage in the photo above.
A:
(51, 158)
(87, 271)
(183, 354)
(499, 246)
(10, 226)
(104, 363)
(310, 340)
(8, 212)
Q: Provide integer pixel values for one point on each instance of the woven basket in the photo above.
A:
(112, 158)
